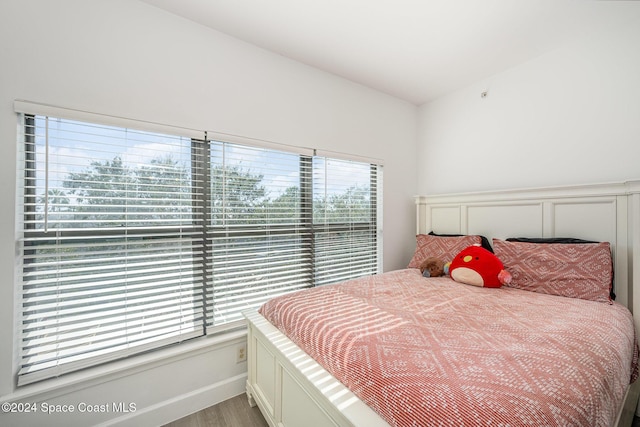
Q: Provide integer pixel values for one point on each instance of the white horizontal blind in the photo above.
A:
(345, 223)
(110, 243)
(260, 230)
(131, 240)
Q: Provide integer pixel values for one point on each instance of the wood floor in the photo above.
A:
(234, 412)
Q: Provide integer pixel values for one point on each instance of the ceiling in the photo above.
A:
(416, 50)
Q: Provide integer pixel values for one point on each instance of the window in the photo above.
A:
(132, 240)
(258, 230)
(344, 219)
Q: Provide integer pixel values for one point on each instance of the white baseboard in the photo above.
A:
(181, 406)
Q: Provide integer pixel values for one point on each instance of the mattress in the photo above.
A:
(431, 351)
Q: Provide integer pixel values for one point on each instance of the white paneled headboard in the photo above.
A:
(603, 212)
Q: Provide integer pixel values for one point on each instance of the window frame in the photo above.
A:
(201, 205)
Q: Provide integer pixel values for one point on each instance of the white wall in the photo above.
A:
(571, 116)
(125, 58)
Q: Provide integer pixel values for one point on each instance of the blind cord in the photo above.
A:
(46, 175)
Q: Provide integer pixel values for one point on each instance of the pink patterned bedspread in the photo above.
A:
(433, 352)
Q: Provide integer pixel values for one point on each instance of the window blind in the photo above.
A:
(260, 229)
(133, 239)
(345, 209)
(110, 242)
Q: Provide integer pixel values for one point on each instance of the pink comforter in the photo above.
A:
(433, 352)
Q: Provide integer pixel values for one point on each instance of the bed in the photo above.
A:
(400, 349)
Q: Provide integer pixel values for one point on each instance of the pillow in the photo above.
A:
(574, 270)
(443, 247)
(484, 242)
(612, 295)
(548, 240)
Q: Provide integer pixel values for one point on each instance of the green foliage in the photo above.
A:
(353, 205)
(237, 197)
(109, 193)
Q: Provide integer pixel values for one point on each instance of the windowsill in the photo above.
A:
(90, 377)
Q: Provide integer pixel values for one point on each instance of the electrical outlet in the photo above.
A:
(241, 353)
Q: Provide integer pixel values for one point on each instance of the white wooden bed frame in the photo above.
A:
(291, 389)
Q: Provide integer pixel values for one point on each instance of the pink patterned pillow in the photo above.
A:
(445, 248)
(583, 270)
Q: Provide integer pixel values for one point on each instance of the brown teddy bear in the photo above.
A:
(432, 267)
